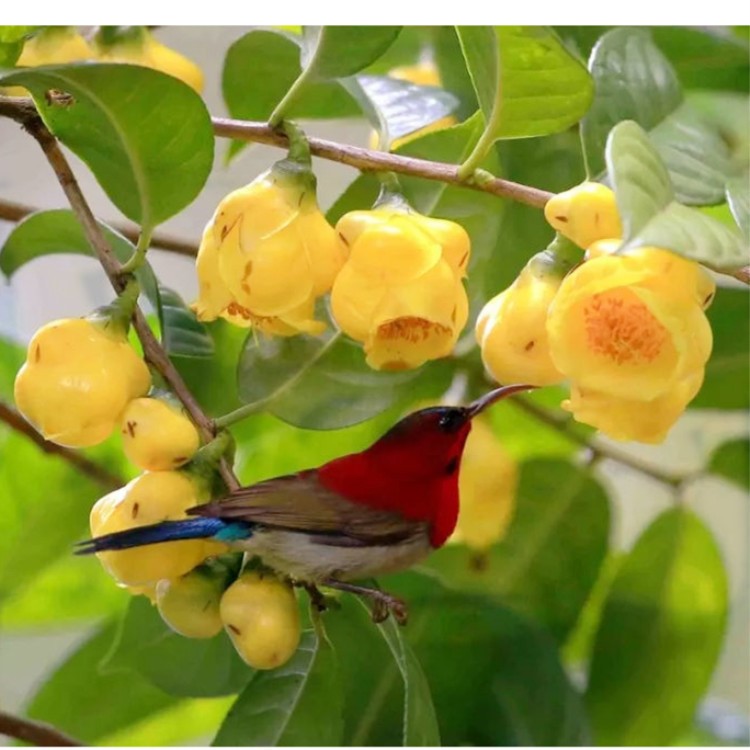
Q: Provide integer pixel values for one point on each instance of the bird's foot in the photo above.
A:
(383, 603)
(318, 599)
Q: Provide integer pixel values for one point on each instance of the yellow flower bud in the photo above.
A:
(487, 483)
(77, 380)
(618, 326)
(511, 330)
(424, 73)
(585, 213)
(266, 255)
(400, 293)
(190, 604)
(261, 617)
(632, 419)
(141, 48)
(150, 498)
(158, 435)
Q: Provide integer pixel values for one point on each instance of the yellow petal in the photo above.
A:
(354, 299)
(632, 419)
(213, 294)
(454, 239)
(326, 251)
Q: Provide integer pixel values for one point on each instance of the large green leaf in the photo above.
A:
(59, 232)
(550, 558)
(651, 216)
(634, 81)
(323, 382)
(396, 108)
(258, 70)
(420, 721)
(300, 703)
(731, 460)
(495, 678)
(146, 136)
(340, 51)
(738, 198)
(526, 81)
(727, 383)
(660, 634)
(183, 667)
(78, 699)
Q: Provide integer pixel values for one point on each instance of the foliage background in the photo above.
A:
(41, 623)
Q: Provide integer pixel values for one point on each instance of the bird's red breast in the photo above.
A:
(416, 477)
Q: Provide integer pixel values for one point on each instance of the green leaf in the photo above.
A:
(396, 108)
(339, 51)
(727, 383)
(550, 558)
(660, 634)
(59, 232)
(651, 216)
(323, 382)
(298, 704)
(731, 460)
(526, 81)
(738, 198)
(450, 63)
(258, 70)
(80, 700)
(183, 667)
(420, 721)
(496, 679)
(634, 81)
(145, 135)
(183, 335)
(9, 34)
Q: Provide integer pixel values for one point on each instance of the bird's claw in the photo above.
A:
(385, 604)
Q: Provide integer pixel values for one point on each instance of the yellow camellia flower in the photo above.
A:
(157, 434)
(424, 73)
(266, 255)
(137, 46)
(487, 484)
(77, 380)
(260, 615)
(151, 498)
(629, 331)
(401, 292)
(585, 213)
(511, 329)
(55, 45)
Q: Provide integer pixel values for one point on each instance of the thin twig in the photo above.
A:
(85, 465)
(34, 732)
(598, 451)
(380, 161)
(153, 352)
(15, 212)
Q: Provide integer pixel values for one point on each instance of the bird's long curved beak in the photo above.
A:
(493, 396)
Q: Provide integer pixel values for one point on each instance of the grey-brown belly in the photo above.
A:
(305, 558)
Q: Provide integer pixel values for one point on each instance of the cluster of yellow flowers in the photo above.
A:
(395, 276)
(80, 382)
(627, 330)
(56, 45)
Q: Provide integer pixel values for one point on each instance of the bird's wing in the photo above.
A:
(298, 502)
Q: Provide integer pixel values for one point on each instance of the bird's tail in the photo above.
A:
(167, 531)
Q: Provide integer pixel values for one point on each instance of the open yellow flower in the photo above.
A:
(617, 328)
(266, 255)
(487, 484)
(585, 213)
(400, 293)
(511, 329)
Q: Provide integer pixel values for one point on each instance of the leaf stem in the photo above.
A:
(483, 145)
(139, 256)
(290, 97)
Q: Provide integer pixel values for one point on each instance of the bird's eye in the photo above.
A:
(452, 420)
